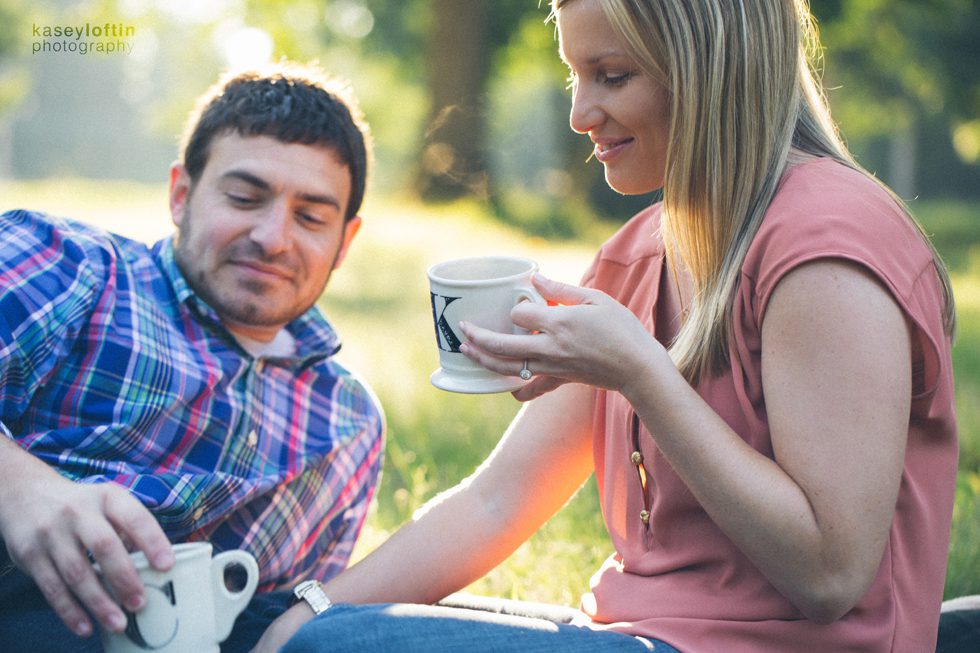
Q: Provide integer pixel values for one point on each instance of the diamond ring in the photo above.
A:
(526, 374)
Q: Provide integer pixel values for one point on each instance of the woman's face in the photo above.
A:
(623, 110)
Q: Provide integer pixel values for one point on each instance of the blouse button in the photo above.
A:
(645, 516)
(636, 458)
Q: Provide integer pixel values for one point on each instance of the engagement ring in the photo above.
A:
(526, 373)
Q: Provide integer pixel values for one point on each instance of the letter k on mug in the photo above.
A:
(480, 290)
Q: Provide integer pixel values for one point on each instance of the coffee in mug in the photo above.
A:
(480, 290)
(189, 607)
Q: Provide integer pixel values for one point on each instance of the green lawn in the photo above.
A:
(955, 228)
(379, 301)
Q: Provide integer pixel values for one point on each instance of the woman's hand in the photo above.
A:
(588, 337)
(282, 629)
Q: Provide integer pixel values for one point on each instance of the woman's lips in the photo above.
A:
(606, 151)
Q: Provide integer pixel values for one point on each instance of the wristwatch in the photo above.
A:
(311, 592)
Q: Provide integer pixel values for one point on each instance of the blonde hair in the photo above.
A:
(743, 93)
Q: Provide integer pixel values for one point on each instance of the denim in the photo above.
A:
(435, 629)
(29, 625)
(959, 631)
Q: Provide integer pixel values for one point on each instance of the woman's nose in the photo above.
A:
(586, 112)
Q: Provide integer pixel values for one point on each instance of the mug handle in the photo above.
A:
(227, 604)
(526, 294)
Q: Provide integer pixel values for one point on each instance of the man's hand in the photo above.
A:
(54, 529)
(283, 628)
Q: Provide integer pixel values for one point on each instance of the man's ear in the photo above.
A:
(180, 190)
(350, 230)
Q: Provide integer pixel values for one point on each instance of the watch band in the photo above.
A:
(311, 592)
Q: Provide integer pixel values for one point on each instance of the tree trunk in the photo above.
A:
(453, 162)
(902, 162)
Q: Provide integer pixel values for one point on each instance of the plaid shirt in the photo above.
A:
(111, 369)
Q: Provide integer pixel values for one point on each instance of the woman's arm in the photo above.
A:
(836, 370)
(837, 383)
(456, 538)
(460, 535)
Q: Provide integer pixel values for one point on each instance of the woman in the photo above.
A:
(757, 369)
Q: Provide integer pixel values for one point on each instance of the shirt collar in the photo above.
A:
(315, 336)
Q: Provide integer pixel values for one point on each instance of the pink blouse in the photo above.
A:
(682, 580)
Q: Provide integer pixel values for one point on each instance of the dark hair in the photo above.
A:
(291, 102)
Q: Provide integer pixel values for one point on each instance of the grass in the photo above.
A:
(379, 302)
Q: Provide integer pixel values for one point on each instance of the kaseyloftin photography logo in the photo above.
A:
(85, 38)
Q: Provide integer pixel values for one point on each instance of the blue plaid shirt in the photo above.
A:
(111, 369)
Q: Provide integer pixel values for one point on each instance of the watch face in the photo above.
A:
(308, 590)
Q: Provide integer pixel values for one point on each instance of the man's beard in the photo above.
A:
(257, 307)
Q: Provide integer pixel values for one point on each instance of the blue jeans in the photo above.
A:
(29, 625)
(959, 632)
(490, 628)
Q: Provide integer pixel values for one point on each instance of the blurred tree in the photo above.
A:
(496, 124)
(465, 97)
(14, 80)
(14, 28)
(906, 75)
(452, 47)
(462, 43)
(453, 160)
(906, 80)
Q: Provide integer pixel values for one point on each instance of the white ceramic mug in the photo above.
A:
(188, 608)
(481, 290)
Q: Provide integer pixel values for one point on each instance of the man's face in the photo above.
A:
(262, 229)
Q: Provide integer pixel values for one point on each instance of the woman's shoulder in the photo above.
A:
(824, 208)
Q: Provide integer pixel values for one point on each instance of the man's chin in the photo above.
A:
(255, 313)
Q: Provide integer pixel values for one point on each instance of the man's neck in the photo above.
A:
(282, 344)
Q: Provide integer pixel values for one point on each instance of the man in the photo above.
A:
(187, 391)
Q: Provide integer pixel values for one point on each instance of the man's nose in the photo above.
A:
(271, 231)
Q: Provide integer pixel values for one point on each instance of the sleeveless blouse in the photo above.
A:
(682, 580)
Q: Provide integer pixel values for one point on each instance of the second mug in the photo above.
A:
(188, 608)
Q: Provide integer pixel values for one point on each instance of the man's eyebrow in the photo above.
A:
(262, 184)
(248, 178)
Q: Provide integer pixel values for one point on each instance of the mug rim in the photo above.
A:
(433, 274)
(182, 551)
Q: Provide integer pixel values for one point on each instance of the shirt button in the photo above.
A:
(198, 514)
(645, 516)
(252, 439)
(636, 458)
